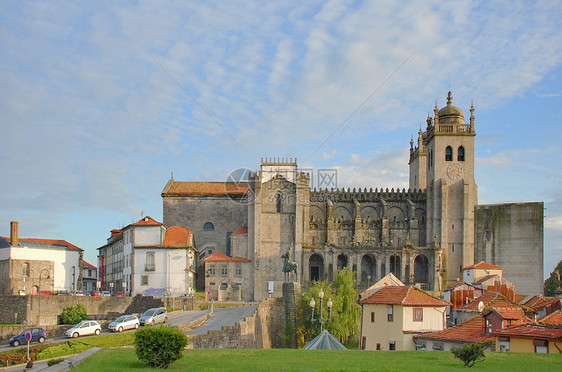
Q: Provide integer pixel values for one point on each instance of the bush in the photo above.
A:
(52, 362)
(73, 314)
(159, 347)
(470, 353)
(67, 348)
(111, 340)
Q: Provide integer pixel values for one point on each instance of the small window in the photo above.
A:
(460, 154)
(208, 226)
(238, 270)
(372, 317)
(390, 313)
(212, 270)
(363, 342)
(278, 203)
(149, 261)
(392, 345)
(378, 346)
(449, 153)
(224, 270)
(418, 314)
(144, 279)
(25, 269)
(437, 346)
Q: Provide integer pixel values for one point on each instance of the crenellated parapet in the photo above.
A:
(364, 195)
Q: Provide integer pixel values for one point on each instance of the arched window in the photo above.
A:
(460, 154)
(448, 154)
(278, 203)
(208, 226)
(25, 269)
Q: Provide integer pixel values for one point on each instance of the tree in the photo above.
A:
(470, 353)
(553, 282)
(74, 314)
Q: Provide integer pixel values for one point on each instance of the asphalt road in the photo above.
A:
(224, 317)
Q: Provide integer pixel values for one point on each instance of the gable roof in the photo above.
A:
(403, 295)
(240, 230)
(147, 221)
(554, 319)
(483, 265)
(531, 331)
(178, 236)
(45, 243)
(221, 257)
(471, 330)
(539, 302)
(87, 265)
(389, 280)
(516, 314)
(184, 188)
(490, 299)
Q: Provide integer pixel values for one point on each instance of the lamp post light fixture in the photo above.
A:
(320, 319)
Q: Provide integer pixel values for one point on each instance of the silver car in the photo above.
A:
(84, 328)
(154, 316)
(124, 322)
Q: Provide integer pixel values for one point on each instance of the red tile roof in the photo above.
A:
(538, 302)
(57, 242)
(87, 265)
(491, 299)
(483, 265)
(240, 230)
(512, 314)
(181, 188)
(403, 295)
(485, 278)
(147, 221)
(552, 319)
(221, 257)
(531, 331)
(471, 330)
(178, 236)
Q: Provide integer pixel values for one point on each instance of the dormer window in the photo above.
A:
(449, 153)
(460, 154)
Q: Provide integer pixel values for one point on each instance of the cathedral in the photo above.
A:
(424, 235)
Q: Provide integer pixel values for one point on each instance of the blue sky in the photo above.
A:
(93, 121)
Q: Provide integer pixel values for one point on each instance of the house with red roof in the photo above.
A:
(488, 300)
(148, 258)
(228, 278)
(542, 306)
(392, 315)
(471, 330)
(553, 319)
(89, 277)
(530, 338)
(30, 265)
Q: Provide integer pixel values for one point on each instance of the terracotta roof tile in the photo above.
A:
(57, 242)
(147, 221)
(403, 295)
(240, 230)
(471, 330)
(517, 314)
(538, 302)
(221, 257)
(483, 265)
(552, 319)
(531, 331)
(182, 188)
(491, 299)
(87, 265)
(178, 236)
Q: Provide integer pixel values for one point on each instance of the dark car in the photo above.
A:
(38, 334)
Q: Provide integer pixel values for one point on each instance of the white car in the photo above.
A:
(84, 328)
(124, 322)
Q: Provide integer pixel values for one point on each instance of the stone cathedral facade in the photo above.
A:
(424, 235)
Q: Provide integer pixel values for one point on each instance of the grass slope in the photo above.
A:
(323, 360)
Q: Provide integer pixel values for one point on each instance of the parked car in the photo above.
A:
(106, 293)
(63, 293)
(44, 293)
(119, 294)
(154, 316)
(95, 294)
(79, 293)
(38, 334)
(124, 322)
(84, 328)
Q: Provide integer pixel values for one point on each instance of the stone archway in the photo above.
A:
(368, 270)
(316, 267)
(342, 262)
(421, 269)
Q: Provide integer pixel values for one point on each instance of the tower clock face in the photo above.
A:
(454, 171)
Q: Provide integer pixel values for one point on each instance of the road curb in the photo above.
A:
(68, 364)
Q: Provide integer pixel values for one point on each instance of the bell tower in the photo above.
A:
(448, 143)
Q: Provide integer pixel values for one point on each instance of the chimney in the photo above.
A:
(14, 233)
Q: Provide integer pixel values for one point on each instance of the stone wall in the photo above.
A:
(264, 329)
(46, 310)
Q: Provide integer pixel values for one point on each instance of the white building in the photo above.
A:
(89, 277)
(30, 265)
(148, 258)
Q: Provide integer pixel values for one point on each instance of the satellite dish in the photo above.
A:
(480, 306)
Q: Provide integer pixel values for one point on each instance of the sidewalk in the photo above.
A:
(65, 365)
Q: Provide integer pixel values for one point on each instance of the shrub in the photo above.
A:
(67, 348)
(470, 353)
(52, 362)
(111, 340)
(159, 347)
(73, 314)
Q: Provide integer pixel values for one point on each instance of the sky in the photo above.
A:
(102, 101)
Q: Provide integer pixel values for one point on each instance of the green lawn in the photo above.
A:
(323, 360)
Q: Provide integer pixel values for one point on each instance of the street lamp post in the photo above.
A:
(320, 319)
